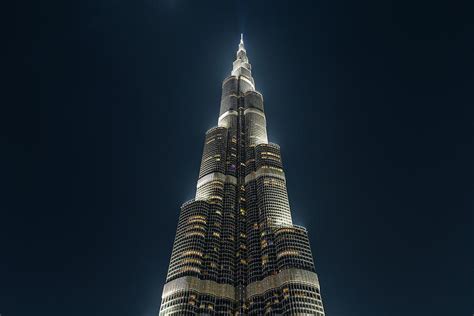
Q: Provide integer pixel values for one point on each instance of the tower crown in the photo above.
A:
(241, 65)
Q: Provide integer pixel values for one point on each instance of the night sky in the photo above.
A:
(103, 114)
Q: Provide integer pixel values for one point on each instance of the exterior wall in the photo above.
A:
(256, 132)
(271, 186)
(293, 249)
(229, 99)
(214, 153)
(189, 244)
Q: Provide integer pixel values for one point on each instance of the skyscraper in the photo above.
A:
(236, 250)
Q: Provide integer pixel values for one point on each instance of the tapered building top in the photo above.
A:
(241, 66)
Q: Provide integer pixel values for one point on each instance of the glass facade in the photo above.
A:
(236, 250)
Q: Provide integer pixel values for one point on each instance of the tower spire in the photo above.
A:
(241, 43)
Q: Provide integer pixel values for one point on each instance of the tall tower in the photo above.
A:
(236, 250)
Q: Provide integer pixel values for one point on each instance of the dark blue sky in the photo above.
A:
(103, 114)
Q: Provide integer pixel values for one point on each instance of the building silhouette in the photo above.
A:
(236, 250)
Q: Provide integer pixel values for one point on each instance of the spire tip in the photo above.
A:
(241, 38)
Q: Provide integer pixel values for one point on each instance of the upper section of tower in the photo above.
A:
(239, 94)
(241, 65)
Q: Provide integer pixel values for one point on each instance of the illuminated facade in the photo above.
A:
(236, 250)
